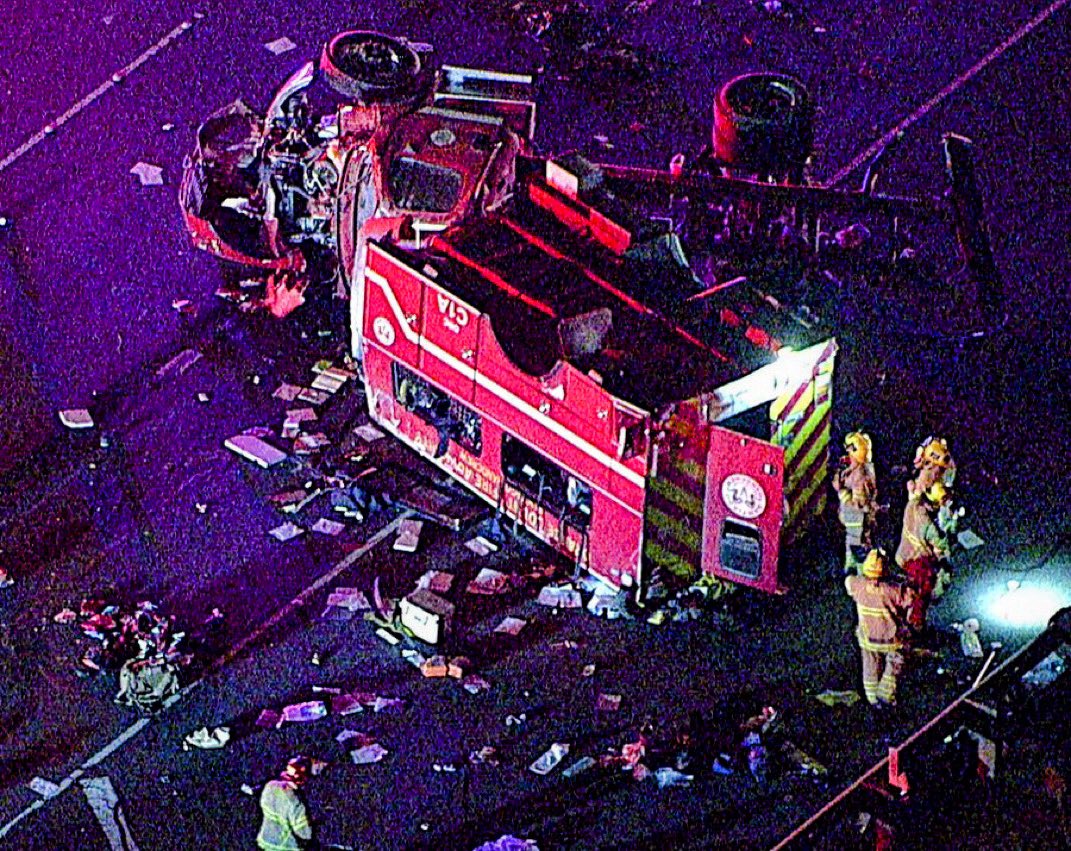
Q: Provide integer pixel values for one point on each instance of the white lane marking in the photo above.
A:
(958, 82)
(108, 84)
(100, 793)
(238, 648)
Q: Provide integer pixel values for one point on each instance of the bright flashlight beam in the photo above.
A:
(1026, 606)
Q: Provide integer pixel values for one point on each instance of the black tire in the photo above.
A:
(373, 68)
(764, 123)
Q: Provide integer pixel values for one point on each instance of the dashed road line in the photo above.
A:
(94, 95)
(952, 87)
(214, 667)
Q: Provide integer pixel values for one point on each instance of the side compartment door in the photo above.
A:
(392, 307)
(744, 509)
(451, 335)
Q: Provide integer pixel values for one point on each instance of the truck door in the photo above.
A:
(451, 335)
(744, 508)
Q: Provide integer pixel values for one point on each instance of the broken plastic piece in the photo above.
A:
(310, 710)
(550, 759)
(286, 532)
(511, 626)
(149, 175)
(279, 46)
(76, 418)
(254, 449)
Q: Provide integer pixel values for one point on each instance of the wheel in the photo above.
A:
(372, 67)
(764, 123)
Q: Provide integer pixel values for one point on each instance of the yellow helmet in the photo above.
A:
(937, 493)
(859, 447)
(935, 451)
(873, 565)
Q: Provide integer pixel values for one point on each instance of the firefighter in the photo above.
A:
(857, 490)
(285, 826)
(933, 462)
(923, 550)
(881, 607)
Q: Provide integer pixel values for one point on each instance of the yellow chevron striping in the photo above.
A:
(669, 560)
(799, 440)
(662, 521)
(800, 501)
(816, 454)
(678, 496)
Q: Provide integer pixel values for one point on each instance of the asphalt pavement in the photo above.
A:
(88, 274)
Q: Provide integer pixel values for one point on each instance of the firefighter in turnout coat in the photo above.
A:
(857, 491)
(285, 826)
(923, 548)
(881, 607)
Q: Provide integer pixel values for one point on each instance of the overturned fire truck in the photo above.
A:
(637, 365)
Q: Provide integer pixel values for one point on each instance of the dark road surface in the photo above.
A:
(88, 274)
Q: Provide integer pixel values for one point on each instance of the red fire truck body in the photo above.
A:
(516, 351)
(636, 365)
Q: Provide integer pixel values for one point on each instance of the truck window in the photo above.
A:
(451, 419)
(545, 482)
(741, 549)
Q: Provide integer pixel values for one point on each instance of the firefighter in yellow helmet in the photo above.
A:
(285, 825)
(933, 463)
(856, 485)
(881, 607)
(923, 548)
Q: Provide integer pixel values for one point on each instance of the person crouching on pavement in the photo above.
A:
(881, 607)
(285, 825)
(923, 548)
(857, 490)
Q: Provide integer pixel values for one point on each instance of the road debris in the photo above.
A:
(287, 392)
(252, 448)
(349, 598)
(474, 684)
(969, 641)
(488, 581)
(300, 713)
(45, 788)
(426, 615)
(969, 540)
(206, 739)
(511, 626)
(838, 698)
(286, 532)
(579, 767)
(667, 776)
(408, 539)
(607, 702)
(550, 759)
(279, 46)
(559, 597)
(76, 418)
(149, 175)
(323, 526)
(508, 842)
(436, 581)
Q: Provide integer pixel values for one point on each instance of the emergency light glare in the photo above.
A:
(1025, 607)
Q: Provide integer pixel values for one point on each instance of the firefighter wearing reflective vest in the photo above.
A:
(857, 490)
(881, 607)
(923, 548)
(285, 826)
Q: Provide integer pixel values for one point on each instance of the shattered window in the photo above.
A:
(452, 420)
(417, 185)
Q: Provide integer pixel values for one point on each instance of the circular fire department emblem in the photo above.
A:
(743, 496)
(383, 330)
